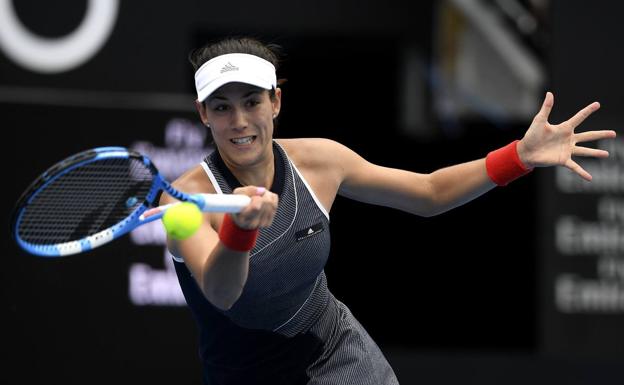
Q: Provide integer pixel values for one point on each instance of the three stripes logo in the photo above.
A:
(309, 231)
(229, 67)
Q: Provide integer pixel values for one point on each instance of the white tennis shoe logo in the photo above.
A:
(62, 54)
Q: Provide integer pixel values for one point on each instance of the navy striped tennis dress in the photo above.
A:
(286, 327)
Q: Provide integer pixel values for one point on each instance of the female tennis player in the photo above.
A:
(254, 280)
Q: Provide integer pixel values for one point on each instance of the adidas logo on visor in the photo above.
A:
(229, 67)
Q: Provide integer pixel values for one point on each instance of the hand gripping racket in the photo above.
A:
(96, 196)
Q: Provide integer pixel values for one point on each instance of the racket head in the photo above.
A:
(85, 201)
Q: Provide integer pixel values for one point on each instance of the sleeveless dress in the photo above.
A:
(286, 327)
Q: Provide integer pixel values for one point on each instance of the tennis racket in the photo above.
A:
(95, 197)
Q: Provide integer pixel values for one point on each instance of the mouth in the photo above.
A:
(244, 141)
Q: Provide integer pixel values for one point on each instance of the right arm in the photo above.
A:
(221, 272)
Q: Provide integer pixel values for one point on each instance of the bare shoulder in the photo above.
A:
(314, 152)
(192, 181)
(320, 162)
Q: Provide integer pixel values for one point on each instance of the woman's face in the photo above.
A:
(241, 119)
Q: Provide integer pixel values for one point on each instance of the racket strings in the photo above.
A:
(86, 200)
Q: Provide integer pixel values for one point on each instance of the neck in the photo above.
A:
(260, 174)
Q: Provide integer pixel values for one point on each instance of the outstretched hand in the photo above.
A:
(546, 144)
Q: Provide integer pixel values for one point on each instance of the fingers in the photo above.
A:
(585, 151)
(260, 211)
(547, 106)
(268, 209)
(583, 114)
(588, 152)
(250, 191)
(572, 165)
(594, 135)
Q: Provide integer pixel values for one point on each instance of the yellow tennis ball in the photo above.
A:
(182, 220)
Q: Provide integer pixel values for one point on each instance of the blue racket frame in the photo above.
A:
(132, 221)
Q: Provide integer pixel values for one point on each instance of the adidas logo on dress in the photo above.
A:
(309, 232)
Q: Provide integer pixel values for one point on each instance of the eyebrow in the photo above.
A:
(219, 97)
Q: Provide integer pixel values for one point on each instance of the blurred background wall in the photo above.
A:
(523, 285)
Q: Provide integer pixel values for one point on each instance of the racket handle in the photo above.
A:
(208, 203)
(220, 203)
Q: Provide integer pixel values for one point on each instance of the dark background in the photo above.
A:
(451, 297)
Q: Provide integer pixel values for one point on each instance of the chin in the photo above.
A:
(245, 155)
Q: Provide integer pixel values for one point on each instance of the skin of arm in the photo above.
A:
(344, 172)
(421, 194)
(348, 174)
(220, 272)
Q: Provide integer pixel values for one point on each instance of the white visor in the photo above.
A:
(234, 67)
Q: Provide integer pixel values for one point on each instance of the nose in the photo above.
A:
(239, 119)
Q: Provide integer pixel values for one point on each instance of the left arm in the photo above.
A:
(544, 144)
(420, 194)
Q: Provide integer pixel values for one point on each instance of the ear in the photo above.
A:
(277, 103)
(201, 109)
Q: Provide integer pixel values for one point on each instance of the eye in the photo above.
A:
(220, 107)
(252, 102)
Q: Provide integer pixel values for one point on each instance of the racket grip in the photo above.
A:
(208, 203)
(220, 203)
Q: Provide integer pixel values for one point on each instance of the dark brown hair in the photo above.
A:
(251, 46)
